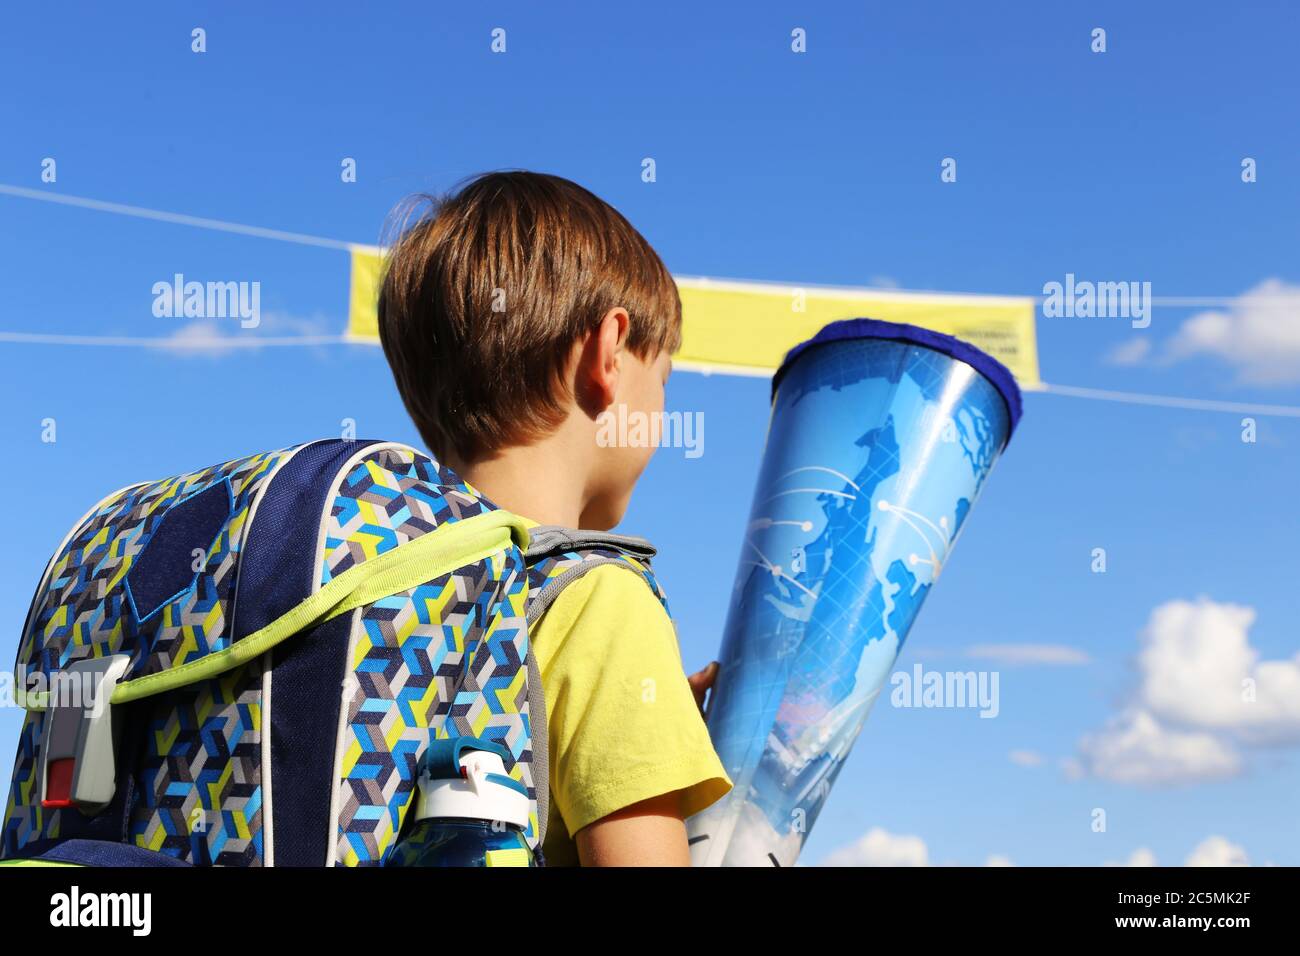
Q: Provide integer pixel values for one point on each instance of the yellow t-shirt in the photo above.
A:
(622, 723)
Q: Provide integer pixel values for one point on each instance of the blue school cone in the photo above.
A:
(880, 439)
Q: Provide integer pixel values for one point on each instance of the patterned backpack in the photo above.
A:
(279, 637)
(242, 666)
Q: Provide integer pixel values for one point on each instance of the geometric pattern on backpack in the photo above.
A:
(388, 498)
(25, 819)
(200, 785)
(442, 658)
(82, 612)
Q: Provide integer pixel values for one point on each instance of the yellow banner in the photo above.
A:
(363, 293)
(745, 328)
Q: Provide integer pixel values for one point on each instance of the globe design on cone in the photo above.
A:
(876, 452)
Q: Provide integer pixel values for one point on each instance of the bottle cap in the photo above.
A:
(465, 777)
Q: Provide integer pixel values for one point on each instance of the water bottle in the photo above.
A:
(469, 811)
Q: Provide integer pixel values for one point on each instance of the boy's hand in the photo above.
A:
(700, 683)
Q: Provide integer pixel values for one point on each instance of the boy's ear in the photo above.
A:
(601, 361)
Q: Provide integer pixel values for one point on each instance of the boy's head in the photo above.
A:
(521, 305)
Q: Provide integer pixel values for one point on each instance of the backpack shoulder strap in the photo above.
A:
(559, 556)
(555, 558)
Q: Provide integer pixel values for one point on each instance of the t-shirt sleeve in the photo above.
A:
(622, 723)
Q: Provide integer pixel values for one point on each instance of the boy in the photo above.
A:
(513, 317)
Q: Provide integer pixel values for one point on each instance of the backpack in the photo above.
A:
(243, 665)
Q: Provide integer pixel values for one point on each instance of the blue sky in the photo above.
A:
(821, 167)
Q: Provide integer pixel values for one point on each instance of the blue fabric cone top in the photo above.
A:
(982, 362)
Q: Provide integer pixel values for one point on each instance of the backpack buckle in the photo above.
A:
(78, 763)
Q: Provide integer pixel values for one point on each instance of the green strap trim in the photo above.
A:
(417, 561)
(35, 863)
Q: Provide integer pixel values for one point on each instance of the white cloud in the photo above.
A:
(1212, 851)
(213, 338)
(1259, 335)
(878, 847)
(1199, 670)
(1139, 857)
(1135, 749)
(200, 337)
(1202, 690)
(1131, 351)
(1012, 654)
(1218, 851)
(1025, 758)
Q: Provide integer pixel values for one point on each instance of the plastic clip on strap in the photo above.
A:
(78, 748)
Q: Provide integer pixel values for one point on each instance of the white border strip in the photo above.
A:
(347, 690)
(215, 343)
(268, 817)
(349, 681)
(709, 368)
(699, 282)
(766, 287)
(1171, 401)
(177, 218)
